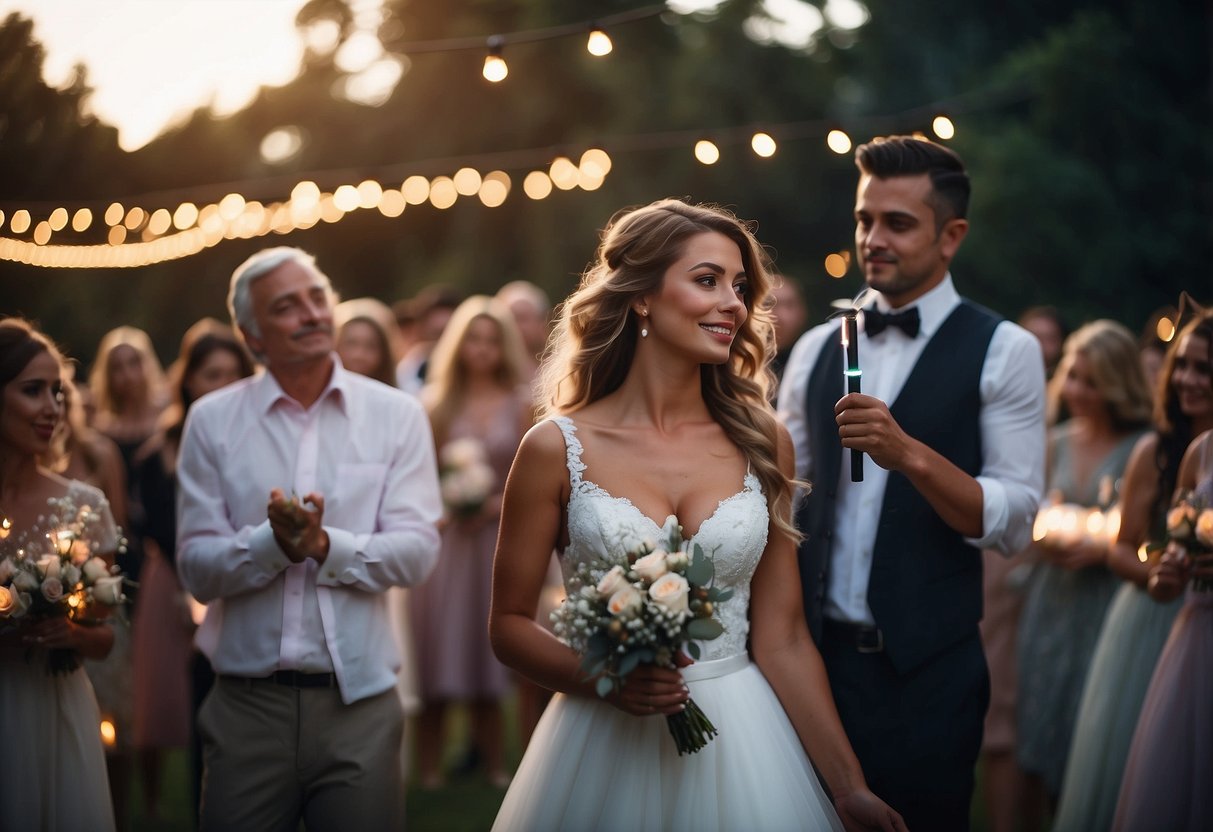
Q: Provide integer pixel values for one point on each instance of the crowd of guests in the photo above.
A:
(1096, 652)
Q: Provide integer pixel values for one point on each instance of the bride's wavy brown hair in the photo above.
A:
(594, 341)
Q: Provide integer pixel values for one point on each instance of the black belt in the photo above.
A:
(290, 679)
(863, 637)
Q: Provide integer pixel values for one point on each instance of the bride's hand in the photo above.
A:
(650, 690)
(861, 810)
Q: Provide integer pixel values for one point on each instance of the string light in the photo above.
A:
(443, 193)
(467, 181)
(58, 219)
(20, 222)
(763, 145)
(537, 185)
(943, 127)
(707, 152)
(1165, 329)
(564, 173)
(114, 213)
(495, 68)
(839, 142)
(81, 220)
(837, 263)
(416, 190)
(599, 43)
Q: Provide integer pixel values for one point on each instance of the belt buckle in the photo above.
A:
(864, 644)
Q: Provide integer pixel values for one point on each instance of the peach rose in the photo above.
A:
(652, 566)
(612, 582)
(624, 601)
(670, 591)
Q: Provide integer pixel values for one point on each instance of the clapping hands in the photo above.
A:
(298, 529)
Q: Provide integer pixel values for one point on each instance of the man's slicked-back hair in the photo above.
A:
(889, 156)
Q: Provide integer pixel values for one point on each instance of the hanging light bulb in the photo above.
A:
(598, 44)
(943, 127)
(838, 141)
(495, 69)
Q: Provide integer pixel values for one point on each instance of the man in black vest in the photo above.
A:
(951, 423)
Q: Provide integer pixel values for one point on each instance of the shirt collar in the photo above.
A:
(933, 307)
(269, 393)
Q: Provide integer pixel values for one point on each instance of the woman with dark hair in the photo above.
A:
(655, 392)
(210, 358)
(1136, 626)
(367, 340)
(52, 772)
(1170, 762)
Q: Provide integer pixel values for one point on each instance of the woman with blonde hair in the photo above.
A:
(1099, 405)
(655, 388)
(479, 407)
(128, 388)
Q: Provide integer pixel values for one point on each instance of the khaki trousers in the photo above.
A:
(273, 755)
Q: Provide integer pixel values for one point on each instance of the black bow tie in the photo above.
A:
(875, 321)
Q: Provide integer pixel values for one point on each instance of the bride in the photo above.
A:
(656, 388)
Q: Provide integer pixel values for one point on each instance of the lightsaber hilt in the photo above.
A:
(850, 341)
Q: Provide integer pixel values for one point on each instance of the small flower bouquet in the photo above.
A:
(465, 476)
(58, 575)
(1190, 531)
(643, 608)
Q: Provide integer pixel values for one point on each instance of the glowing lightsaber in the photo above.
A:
(850, 342)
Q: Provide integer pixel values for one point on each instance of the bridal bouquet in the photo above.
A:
(1190, 530)
(465, 476)
(58, 575)
(644, 607)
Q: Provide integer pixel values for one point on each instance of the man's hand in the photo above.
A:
(865, 424)
(299, 530)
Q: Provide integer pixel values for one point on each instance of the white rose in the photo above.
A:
(95, 569)
(25, 581)
(7, 569)
(1179, 522)
(8, 602)
(625, 600)
(612, 582)
(48, 566)
(109, 591)
(677, 561)
(652, 566)
(52, 589)
(670, 591)
(461, 453)
(1204, 527)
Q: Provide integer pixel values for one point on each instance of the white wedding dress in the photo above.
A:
(590, 766)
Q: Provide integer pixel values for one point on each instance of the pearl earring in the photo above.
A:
(644, 330)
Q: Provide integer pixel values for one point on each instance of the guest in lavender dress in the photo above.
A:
(1170, 765)
(478, 399)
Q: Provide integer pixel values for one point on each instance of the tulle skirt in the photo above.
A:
(590, 766)
(1134, 632)
(1168, 782)
(52, 771)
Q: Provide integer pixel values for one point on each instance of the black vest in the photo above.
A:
(925, 586)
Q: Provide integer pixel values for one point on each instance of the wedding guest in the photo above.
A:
(951, 427)
(656, 390)
(368, 344)
(432, 309)
(127, 383)
(304, 722)
(367, 341)
(1099, 406)
(80, 452)
(1170, 762)
(211, 358)
(1003, 580)
(477, 397)
(1050, 329)
(1136, 626)
(531, 309)
(53, 773)
(789, 316)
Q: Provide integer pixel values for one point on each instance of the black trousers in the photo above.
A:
(917, 735)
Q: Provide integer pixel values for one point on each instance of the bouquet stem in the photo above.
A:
(690, 728)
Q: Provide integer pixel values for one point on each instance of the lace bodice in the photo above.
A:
(82, 510)
(602, 525)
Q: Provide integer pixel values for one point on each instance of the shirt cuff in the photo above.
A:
(264, 551)
(338, 566)
(994, 512)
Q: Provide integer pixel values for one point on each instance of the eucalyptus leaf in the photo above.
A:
(693, 650)
(721, 595)
(604, 686)
(704, 629)
(628, 663)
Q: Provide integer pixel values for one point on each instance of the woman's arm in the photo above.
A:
(531, 527)
(1138, 493)
(784, 651)
(1169, 576)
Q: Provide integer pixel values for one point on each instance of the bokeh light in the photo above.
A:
(707, 152)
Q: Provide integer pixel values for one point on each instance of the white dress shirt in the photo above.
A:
(368, 450)
(1012, 430)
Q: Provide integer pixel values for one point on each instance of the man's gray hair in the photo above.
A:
(239, 298)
